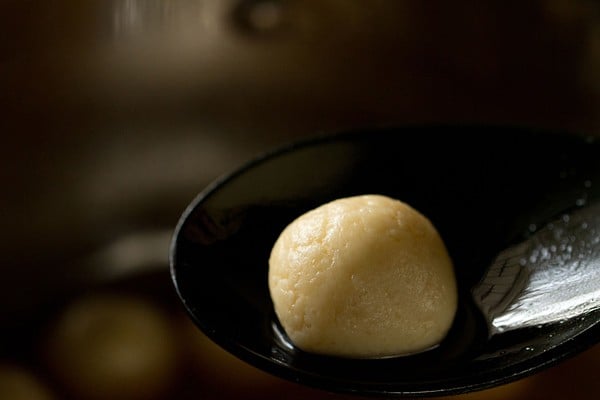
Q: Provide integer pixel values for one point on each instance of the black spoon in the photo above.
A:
(505, 200)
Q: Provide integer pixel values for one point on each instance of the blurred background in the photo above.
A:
(114, 114)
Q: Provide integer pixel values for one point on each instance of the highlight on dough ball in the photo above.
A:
(364, 277)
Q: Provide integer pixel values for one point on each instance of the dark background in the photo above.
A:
(114, 114)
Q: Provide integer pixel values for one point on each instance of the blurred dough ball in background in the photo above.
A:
(112, 347)
(17, 383)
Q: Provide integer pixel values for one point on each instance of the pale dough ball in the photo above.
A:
(365, 276)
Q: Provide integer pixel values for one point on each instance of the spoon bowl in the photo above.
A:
(486, 189)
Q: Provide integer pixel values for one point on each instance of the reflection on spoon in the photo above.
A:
(551, 277)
